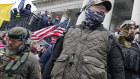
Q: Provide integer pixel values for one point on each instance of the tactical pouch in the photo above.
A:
(13, 66)
(23, 58)
(60, 65)
(10, 64)
(131, 61)
(19, 62)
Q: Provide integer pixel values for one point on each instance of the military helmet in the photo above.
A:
(18, 33)
(106, 3)
(125, 26)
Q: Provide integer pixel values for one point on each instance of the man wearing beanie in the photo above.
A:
(18, 62)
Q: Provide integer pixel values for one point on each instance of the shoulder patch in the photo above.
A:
(6, 58)
(39, 68)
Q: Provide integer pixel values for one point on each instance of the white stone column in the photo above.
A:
(65, 15)
(108, 16)
(136, 13)
(82, 15)
(113, 25)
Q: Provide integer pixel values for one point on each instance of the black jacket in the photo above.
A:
(55, 54)
(115, 63)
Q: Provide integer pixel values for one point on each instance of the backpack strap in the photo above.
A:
(111, 40)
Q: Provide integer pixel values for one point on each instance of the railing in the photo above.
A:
(30, 22)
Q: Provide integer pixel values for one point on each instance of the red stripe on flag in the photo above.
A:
(46, 32)
(2, 45)
(40, 33)
(59, 32)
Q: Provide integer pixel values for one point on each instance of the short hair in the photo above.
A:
(46, 11)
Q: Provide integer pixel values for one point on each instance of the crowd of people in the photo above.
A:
(46, 17)
(85, 51)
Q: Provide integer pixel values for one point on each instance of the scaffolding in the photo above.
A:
(31, 22)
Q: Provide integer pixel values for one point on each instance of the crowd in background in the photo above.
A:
(85, 51)
(46, 17)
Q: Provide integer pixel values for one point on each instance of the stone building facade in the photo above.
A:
(121, 10)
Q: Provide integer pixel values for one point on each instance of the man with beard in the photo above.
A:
(18, 62)
(83, 52)
(129, 48)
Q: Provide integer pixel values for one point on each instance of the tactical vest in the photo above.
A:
(130, 58)
(84, 55)
(9, 65)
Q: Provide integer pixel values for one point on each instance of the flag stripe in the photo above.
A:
(49, 31)
(38, 34)
(44, 30)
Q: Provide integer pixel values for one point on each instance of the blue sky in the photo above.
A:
(17, 2)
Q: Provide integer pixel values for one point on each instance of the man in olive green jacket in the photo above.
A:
(18, 62)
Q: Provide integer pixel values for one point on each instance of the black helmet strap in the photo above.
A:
(18, 36)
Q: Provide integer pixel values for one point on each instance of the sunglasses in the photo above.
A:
(101, 8)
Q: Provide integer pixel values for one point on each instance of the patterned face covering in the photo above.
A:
(93, 17)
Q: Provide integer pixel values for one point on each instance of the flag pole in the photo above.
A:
(68, 22)
(67, 25)
(10, 13)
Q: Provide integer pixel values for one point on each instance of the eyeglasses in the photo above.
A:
(101, 8)
(12, 40)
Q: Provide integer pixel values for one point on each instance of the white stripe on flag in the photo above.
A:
(38, 34)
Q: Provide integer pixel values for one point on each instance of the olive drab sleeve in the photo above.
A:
(34, 70)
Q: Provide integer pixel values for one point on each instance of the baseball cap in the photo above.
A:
(57, 16)
(45, 45)
(106, 3)
(126, 22)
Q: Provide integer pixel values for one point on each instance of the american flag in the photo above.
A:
(49, 31)
(53, 40)
(40, 33)
(64, 24)
(2, 45)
